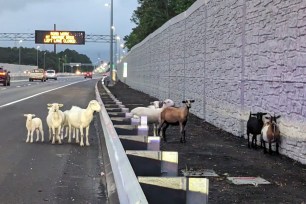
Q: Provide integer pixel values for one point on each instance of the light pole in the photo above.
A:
(111, 52)
(37, 55)
(20, 41)
(45, 60)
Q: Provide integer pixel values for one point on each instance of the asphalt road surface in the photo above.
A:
(41, 172)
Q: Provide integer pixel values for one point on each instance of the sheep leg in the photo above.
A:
(28, 136)
(32, 133)
(62, 132)
(69, 138)
(66, 132)
(87, 132)
(53, 135)
(42, 134)
(159, 128)
(37, 135)
(154, 129)
(58, 134)
(82, 135)
(76, 135)
(50, 134)
(277, 147)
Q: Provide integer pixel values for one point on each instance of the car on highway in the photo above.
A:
(51, 74)
(37, 74)
(88, 75)
(5, 77)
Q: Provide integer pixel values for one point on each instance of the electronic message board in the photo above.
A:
(59, 37)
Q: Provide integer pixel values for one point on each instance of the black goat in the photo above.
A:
(254, 126)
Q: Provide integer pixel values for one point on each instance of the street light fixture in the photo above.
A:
(37, 55)
(20, 41)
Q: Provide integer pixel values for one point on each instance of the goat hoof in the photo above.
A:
(69, 141)
(82, 144)
(87, 144)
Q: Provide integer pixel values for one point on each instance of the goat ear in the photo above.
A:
(25, 115)
(264, 113)
(278, 117)
(192, 101)
(49, 104)
(33, 115)
(183, 101)
(60, 105)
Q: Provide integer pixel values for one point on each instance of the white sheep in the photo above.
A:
(175, 116)
(65, 124)
(55, 120)
(33, 124)
(153, 115)
(154, 104)
(81, 118)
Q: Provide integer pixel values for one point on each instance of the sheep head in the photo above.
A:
(94, 105)
(168, 103)
(156, 104)
(29, 116)
(54, 107)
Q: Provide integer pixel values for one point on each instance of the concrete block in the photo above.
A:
(135, 142)
(175, 190)
(121, 121)
(153, 163)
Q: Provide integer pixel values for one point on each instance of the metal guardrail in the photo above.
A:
(128, 188)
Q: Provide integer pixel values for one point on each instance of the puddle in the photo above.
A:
(200, 173)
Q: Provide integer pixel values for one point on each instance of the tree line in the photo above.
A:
(152, 14)
(46, 59)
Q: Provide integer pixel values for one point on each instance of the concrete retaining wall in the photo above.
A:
(232, 57)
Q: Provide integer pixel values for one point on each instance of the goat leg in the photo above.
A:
(264, 146)
(270, 148)
(248, 134)
(164, 132)
(277, 147)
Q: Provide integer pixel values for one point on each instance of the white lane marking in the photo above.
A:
(23, 99)
(18, 86)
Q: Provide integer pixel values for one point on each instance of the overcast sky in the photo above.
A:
(91, 16)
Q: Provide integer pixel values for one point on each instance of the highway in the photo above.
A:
(42, 172)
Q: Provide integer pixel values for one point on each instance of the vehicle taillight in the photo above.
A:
(2, 74)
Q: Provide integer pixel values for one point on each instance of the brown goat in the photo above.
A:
(175, 116)
(270, 133)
